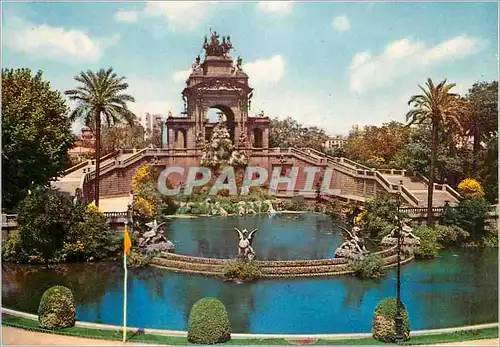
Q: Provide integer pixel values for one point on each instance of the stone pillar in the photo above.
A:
(265, 137)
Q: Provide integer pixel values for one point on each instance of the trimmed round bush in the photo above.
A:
(208, 322)
(384, 324)
(57, 308)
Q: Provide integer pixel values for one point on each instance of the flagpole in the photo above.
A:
(125, 292)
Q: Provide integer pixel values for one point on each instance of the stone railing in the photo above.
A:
(352, 168)
(269, 268)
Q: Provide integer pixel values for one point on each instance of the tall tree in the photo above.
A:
(113, 138)
(453, 163)
(99, 95)
(483, 119)
(36, 134)
(442, 108)
(377, 146)
(489, 170)
(289, 133)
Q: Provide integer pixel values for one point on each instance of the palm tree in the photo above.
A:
(441, 108)
(100, 94)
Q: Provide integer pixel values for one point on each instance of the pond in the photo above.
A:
(460, 287)
(281, 237)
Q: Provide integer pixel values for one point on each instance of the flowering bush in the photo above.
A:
(358, 221)
(144, 206)
(92, 208)
(470, 188)
(142, 175)
(52, 229)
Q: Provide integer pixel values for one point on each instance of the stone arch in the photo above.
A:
(229, 118)
(180, 138)
(257, 138)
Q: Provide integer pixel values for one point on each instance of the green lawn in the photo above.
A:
(116, 335)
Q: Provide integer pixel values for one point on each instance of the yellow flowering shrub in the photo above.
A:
(142, 175)
(470, 188)
(144, 206)
(359, 219)
(92, 208)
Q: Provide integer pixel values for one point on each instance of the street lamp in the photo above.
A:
(399, 318)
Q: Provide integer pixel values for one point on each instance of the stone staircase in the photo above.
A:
(414, 189)
(418, 185)
(72, 178)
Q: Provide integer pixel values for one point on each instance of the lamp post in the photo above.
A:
(399, 318)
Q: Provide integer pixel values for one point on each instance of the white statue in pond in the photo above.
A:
(353, 247)
(245, 249)
(409, 241)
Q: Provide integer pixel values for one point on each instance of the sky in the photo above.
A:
(328, 64)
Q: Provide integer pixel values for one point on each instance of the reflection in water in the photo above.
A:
(445, 292)
(283, 237)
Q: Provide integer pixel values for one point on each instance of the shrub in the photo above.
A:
(384, 325)
(57, 308)
(142, 175)
(242, 270)
(472, 214)
(11, 250)
(137, 260)
(429, 245)
(379, 216)
(470, 188)
(260, 193)
(370, 267)
(298, 203)
(448, 235)
(44, 220)
(89, 237)
(208, 322)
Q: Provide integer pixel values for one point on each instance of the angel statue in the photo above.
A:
(245, 249)
(154, 227)
(353, 248)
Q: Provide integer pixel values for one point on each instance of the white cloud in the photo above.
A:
(151, 96)
(58, 43)
(403, 58)
(182, 75)
(341, 23)
(185, 15)
(282, 7)
(126, 16)
(265, 72)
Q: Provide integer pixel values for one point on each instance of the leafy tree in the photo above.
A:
(289, 133)
(442, 108)
(377, 146)
(380, 216)
(36, 134)
(452, 162)
(489, 170)
(483, 118)
(99, 95)
(43, 223)
(117, 137)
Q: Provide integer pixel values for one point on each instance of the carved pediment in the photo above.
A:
(218, 85)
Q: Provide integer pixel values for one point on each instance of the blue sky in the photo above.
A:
(326, 64)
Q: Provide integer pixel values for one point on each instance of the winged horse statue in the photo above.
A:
(245, 249)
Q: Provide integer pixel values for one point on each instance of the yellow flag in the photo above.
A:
(127, 243)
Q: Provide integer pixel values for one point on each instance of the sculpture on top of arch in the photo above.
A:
(220, 83)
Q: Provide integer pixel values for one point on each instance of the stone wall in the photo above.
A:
(118, 181)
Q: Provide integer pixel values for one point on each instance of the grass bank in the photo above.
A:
(116, 335)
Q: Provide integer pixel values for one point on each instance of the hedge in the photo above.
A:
(208, 322)
(57, 308)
